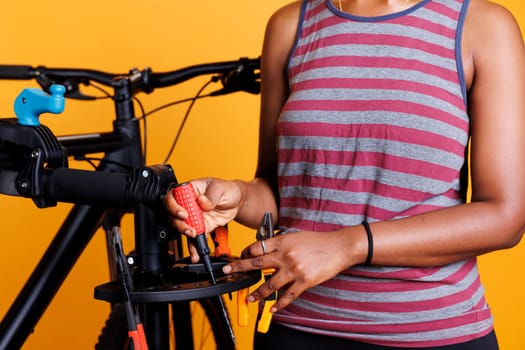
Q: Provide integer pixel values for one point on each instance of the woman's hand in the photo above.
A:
(301, 260)
(219, 201)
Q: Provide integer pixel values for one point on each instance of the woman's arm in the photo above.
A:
(246, 202)
(261, 193)
(494, 58)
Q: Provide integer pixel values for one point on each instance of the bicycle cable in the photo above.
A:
(99, 88)
(144, 129)
(185, 118)
(142, 117)
(145, 114)
(91, 161)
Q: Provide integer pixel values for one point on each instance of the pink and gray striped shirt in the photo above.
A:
(376, 127)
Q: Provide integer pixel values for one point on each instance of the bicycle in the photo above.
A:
(34, 164)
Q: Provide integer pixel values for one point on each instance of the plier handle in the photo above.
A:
(135, 328)
(264, 316)
(264, 231)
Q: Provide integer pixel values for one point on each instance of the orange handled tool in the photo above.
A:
(220, 238)
(243, 314)
(136, 333)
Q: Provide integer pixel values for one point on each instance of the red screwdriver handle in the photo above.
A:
(186, 196)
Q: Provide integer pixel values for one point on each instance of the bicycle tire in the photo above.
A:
(114, 334)
(220, 329)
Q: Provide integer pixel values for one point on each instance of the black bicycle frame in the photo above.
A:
(123, 151)
(77, 230)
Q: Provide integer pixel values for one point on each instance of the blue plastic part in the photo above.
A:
(32, 102)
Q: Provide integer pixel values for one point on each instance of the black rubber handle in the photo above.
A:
(16, 72)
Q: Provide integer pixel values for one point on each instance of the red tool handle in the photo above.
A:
(186, 196)
(138, 338)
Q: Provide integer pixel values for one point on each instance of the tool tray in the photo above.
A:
(184, 281)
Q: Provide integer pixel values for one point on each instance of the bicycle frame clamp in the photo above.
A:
(31, 150)
(32, 102)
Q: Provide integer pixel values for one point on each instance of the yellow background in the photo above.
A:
(219, 140)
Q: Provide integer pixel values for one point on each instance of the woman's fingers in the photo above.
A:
(287, 296)
(262, 255)
(293, 260)
(218, 200)
(178, 215)
(244, 265)
(194, 254)
(288, 292)
(257, 249)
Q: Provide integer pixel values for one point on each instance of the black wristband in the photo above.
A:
(370, 238)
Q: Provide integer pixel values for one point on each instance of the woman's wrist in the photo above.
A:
(354, 243)
(370, 240)
(255, 198)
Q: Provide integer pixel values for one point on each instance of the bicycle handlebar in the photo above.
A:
(142, 81)
(27, 154)
(16, 72)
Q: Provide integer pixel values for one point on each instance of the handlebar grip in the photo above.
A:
(89, 187)
(16, 72)
(186, 196)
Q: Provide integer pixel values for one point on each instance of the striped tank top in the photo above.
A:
(376, 127)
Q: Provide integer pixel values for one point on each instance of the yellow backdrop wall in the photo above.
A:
(219, 140)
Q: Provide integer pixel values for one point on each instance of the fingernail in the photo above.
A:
(250, 298)
(226, 269)
(273, 309)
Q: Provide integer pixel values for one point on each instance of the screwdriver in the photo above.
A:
(186, 196)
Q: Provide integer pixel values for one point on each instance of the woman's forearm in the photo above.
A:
(440, 237)
(258, 197)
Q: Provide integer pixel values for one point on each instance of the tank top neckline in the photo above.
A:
(380, 18)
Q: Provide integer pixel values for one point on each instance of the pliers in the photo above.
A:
(265, 229)
(264, 316)
(135, 328)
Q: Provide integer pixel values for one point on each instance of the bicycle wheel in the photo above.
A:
(114, 334)
(195, 325)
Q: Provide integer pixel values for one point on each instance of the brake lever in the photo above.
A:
(243, 78)
(72, 86)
